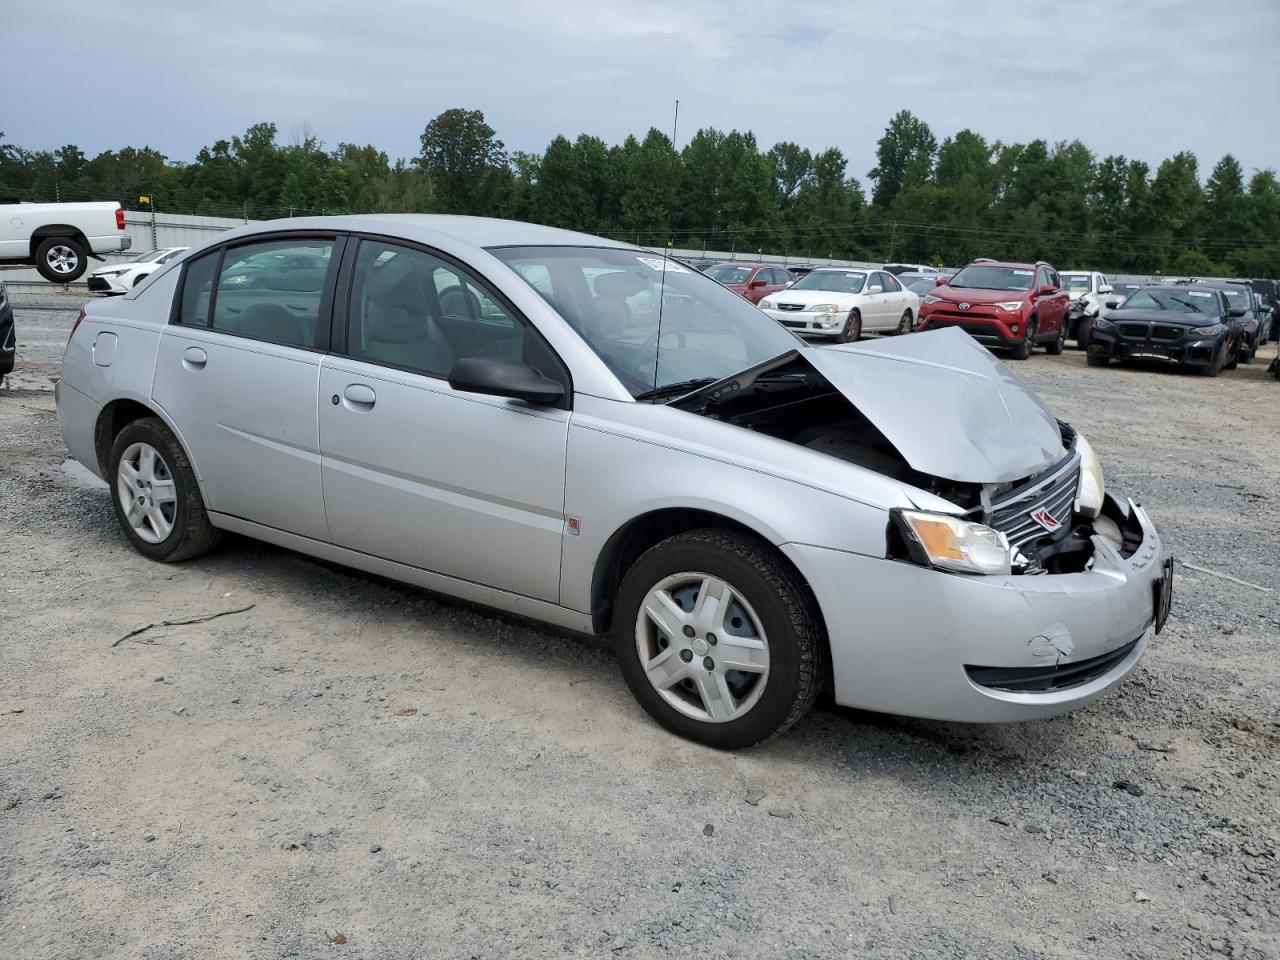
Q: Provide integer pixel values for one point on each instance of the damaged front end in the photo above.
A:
(939, 414)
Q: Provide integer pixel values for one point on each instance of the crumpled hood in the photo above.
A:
(946, 404)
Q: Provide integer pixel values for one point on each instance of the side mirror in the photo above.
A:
(1112, 304)
(1235, 313)
(1046, 289)
(875, 288)
(941, 280)
(504, 378)
(758, 282)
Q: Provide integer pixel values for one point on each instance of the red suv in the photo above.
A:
(755, 281)
(1010, 305)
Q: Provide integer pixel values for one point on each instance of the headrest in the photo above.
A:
(619, 283)
(395, 325)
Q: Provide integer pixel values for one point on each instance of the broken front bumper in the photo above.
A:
(909, 640)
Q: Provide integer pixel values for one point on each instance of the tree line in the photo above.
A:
(940, 202)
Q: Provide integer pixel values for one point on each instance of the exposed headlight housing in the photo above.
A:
(1092, 486)
(949, 543)
(1010, 306)
(930, 298)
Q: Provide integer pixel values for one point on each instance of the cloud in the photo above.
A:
(1145, 79)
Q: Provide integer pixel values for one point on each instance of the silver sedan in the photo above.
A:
(592, 435)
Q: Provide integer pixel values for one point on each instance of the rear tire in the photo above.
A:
(766, 612)
(159, 507)
(904, 324)
(1054, 348)
(61, 259)
(1094, 360)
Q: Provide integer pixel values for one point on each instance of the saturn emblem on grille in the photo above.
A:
(1045, 519)
(963, 306)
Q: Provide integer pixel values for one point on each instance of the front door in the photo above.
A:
(237, 374)
(414, 471)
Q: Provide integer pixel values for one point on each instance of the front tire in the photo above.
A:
(61, 259)
(155, 494)
(852, 330)
(1022, 349)
(719, 639)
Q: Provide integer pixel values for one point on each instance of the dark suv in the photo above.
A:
(1010, 305)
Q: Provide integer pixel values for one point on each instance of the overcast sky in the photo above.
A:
(1145, 78)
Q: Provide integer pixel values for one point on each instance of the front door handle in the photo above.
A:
(359, 397)
(194, 358)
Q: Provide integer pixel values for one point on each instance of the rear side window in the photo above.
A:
(197, 286)
(272, 290)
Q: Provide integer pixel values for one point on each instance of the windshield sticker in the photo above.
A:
(655, 263)
(1022, 273)
(1199, 293)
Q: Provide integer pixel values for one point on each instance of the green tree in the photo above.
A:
(904, 158)
(465, 162)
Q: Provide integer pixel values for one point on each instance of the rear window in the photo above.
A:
(197, 285)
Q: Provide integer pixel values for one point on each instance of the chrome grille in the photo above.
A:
(1054, 491)
(790, 306)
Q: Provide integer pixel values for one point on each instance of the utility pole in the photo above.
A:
(893, 232)
(675, 125)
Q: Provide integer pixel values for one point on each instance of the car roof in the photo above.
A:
(428, 228)
(1003, 263)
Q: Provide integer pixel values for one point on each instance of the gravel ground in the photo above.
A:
(357, 768)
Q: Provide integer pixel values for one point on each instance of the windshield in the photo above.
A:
(837, 281)
(148, 256)
(729, 274)
(922, 286)
(611, 297)
(986, 277)
(1077, 282)
(1174, 300)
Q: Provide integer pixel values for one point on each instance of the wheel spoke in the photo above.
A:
(745, 654)
(666, 669)
(159, 524)
(135, 513)
(164, 491)
(128, 473)
(147, 463)
(716, 698)
(662, 609)
(714, 597)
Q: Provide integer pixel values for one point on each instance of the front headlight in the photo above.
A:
(112, 273)
(930, 298)
(824, 308)
(766, 305)
(1210, 331)
(1010, 306)
(950, 543)
(1092, 487)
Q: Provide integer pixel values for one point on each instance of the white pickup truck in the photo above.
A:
(59, 238)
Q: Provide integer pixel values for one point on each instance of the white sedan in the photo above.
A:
(117, 278)
(843, 304)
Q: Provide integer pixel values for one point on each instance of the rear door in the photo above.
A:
(457, 483)
(237, 371)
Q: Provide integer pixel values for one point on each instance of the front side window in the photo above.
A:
(891, 284)
(413, 310)
(272, 290)
(654, 322)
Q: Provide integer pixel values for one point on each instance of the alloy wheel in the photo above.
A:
(147, 492)
(702, 647)
(62, 259)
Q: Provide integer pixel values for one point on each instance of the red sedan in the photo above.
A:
(755, 281)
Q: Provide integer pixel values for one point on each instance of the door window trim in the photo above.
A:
(341, 313)
(324, 313)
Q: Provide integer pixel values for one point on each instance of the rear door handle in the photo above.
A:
(358, 397)
(194, 358)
